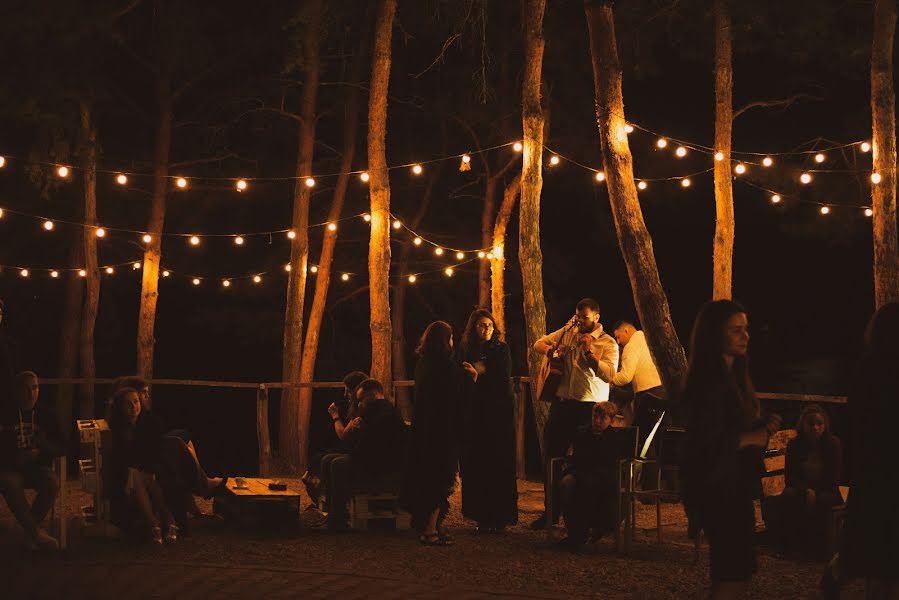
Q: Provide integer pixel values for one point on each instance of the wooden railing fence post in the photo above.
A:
(265, 447)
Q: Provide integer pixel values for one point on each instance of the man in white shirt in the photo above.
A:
(638, 368)
(589, 357)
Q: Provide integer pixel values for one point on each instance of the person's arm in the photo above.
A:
(630, 358)
(602, 357)
(549, 341)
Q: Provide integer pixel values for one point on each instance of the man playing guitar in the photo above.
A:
(589, 359)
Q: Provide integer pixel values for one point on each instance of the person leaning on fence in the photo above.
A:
(589, 488)
(136, 500)
(726, 439)
(29, 441)
(813, 471)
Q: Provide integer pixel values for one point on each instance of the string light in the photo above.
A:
(136, 266)
(397, 224)
(517, 146)
(865, 147)
(481, 254)
(438, 251)
(661, 143)
(332, 226)
(740, 169)
(498, 251)
(868, 212)
(181, 182)
(194, 240)
(291, 234)
(239, 240)
(82, 273)
(100, 232)
(121, 179)
(110, 270)
(460, 255)
(1, 213)
(54, 274)
(417, 241)
(287, 267)
(63, 172)
(345, 277)
(147, 238)
(490, 256)
(719, 156)
(642, 185)
(449, 271)
(314, 268)
(366, 217)
(767, 161)
(628, 128)
(412, 278)
(2, 162)
(554, 160)
(166, 273)
(310, 182)
(775, 199)
(819, 158)
(241, 185)
(685, 182)
(681, 152)
(417, 169)
(875, 178)
(805, 178)
(825, 210)
(196, 281)
(48, 225)
(600, 176)
(226, 283)
(364, 177)
(257, 279)
(24, 272)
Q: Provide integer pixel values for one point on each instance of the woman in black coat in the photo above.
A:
(433, 458)
(489, 492)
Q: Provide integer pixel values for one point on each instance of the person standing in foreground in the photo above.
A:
(725, 445)
(589, 357)
(489, 485)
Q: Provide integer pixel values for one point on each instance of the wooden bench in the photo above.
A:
(378, 510)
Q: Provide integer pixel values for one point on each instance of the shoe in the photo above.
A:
(171, 534)
(156, 535)
(45, 540)
(434, 539)
(539, 523)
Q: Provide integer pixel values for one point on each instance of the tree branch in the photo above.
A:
(782, 104)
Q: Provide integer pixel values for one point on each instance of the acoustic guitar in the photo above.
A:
(551, 371)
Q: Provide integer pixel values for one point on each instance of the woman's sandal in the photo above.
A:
(434, 539)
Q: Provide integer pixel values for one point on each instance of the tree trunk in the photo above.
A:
(498, 262)
(723, 251)
(633, 238)
(486, 239)
(68, 343)
(323, 277)
(883, 195)
(290, 444)
(530, 256)
(379, 184)
(149, 293)
(92, 290)
(398, 306)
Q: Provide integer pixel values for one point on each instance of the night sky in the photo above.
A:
(806, 279)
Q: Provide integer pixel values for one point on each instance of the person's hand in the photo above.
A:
(354, 424)
(586, 342)
(773, 424)
(470, 370)
(332, 410)
(810, 498)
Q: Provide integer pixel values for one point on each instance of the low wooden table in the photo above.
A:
(256, 504)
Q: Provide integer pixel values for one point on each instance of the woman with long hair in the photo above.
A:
(433, 457)
(870, 544)
(725, 445)
(489, 488)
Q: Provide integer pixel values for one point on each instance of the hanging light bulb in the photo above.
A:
(226, 283)
(417, 169)
(257, 279)
(310, 182)
(366, 217)
(2, 162)
(109, 270)
(819, 158)
(661, 143)
(332, 226)
(600, 176)
(397, 224)
(147, 238)
(100, 232)
(875, 178)
(775, 199)
(805, 178)
(314, 268)
(121, 179)
(553, 160)
(517, 146)
(449, 271)
(238, 240)
(825, 210)
(196, 281)
(719, 156)
(136, 266)
(364, 177)
(54, 274)
(868, 212)
(345, 277)
(460, 255)
(291, 234)
(628, 128)
(24, 273)
(241, 185)
(82, 273)
(490, 256)
(465, 165)
(166, 273)
(865, 147)
(681, 152)
(740, 169)
(287, 267)
(412, 278)
(685, 182)
(181, 182)
(194, 240)
(63, 172)
(417, 241)
(642, 185)
(1, 213)
(48, 225)
(482, 254)
(767, 161)
(438, 251)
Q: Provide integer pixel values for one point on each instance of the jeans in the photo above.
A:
(12, 486)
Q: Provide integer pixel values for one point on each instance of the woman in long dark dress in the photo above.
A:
(870, 544)
(489, 492)
(433, 458)
(725, 445)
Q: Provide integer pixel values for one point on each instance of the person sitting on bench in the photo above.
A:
(374, 460)
(588, 490)
(29, 441)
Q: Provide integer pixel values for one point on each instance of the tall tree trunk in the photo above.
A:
(323, 277)
(883, 195)
(530, 256)
(487, 218)
(379, 183)
(723, 251)
(149, 293)
(292, 414)
(400, 287)
(68, 343)
(633, 238)
(498, 262)
(91, 266)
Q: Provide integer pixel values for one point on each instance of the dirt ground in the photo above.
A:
(518, 562)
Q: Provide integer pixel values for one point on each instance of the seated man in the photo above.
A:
(588, 491)
(29, 441)
(375, 457)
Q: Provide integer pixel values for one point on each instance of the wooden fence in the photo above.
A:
(520, 386)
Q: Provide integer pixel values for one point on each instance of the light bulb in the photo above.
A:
(48, 225)
(719, 156)
(466, 159)
(517, 147)
(257, 279)
(241, 185)
(291, 234)
(345, 277)
(825, 210)
(449, 271)
(314, 268)
(865, 146)
(805, 178)
(63, 172)
(438, 251)
(332, 226)
(775, 199)
(412, 278)
(287, 267)
(868, 212)
(100, 232)
(366, 217)
(819, 158)
(628, 128)
(54, 274)
(82, 273)
(226, 283)
(110, 270)
(24, 273)
(460, 255)
(397, 224)
(875, 178)
(417, 241)
(239, 240)
(553, 160)
(490, 256)
(1, 213)
(767, 161)
(122, 179)
(194, 240)
(498, 251)
(681, 152)
(196, 281)
(642, 185)
(310, 182)
(685, 182)
(364, 177)
(181, 182)
(661, 143)
(166, 273)
(2, 162)
(600, 176)
(147, 238)
(482, 254)
(136, 266)
(740, 169)
(417, 169)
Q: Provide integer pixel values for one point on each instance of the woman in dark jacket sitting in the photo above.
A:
(433, 456)
(814, 468)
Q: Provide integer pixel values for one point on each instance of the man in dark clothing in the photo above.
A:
(375, 457)
(29, 441)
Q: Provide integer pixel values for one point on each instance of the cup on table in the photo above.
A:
(240, 483)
